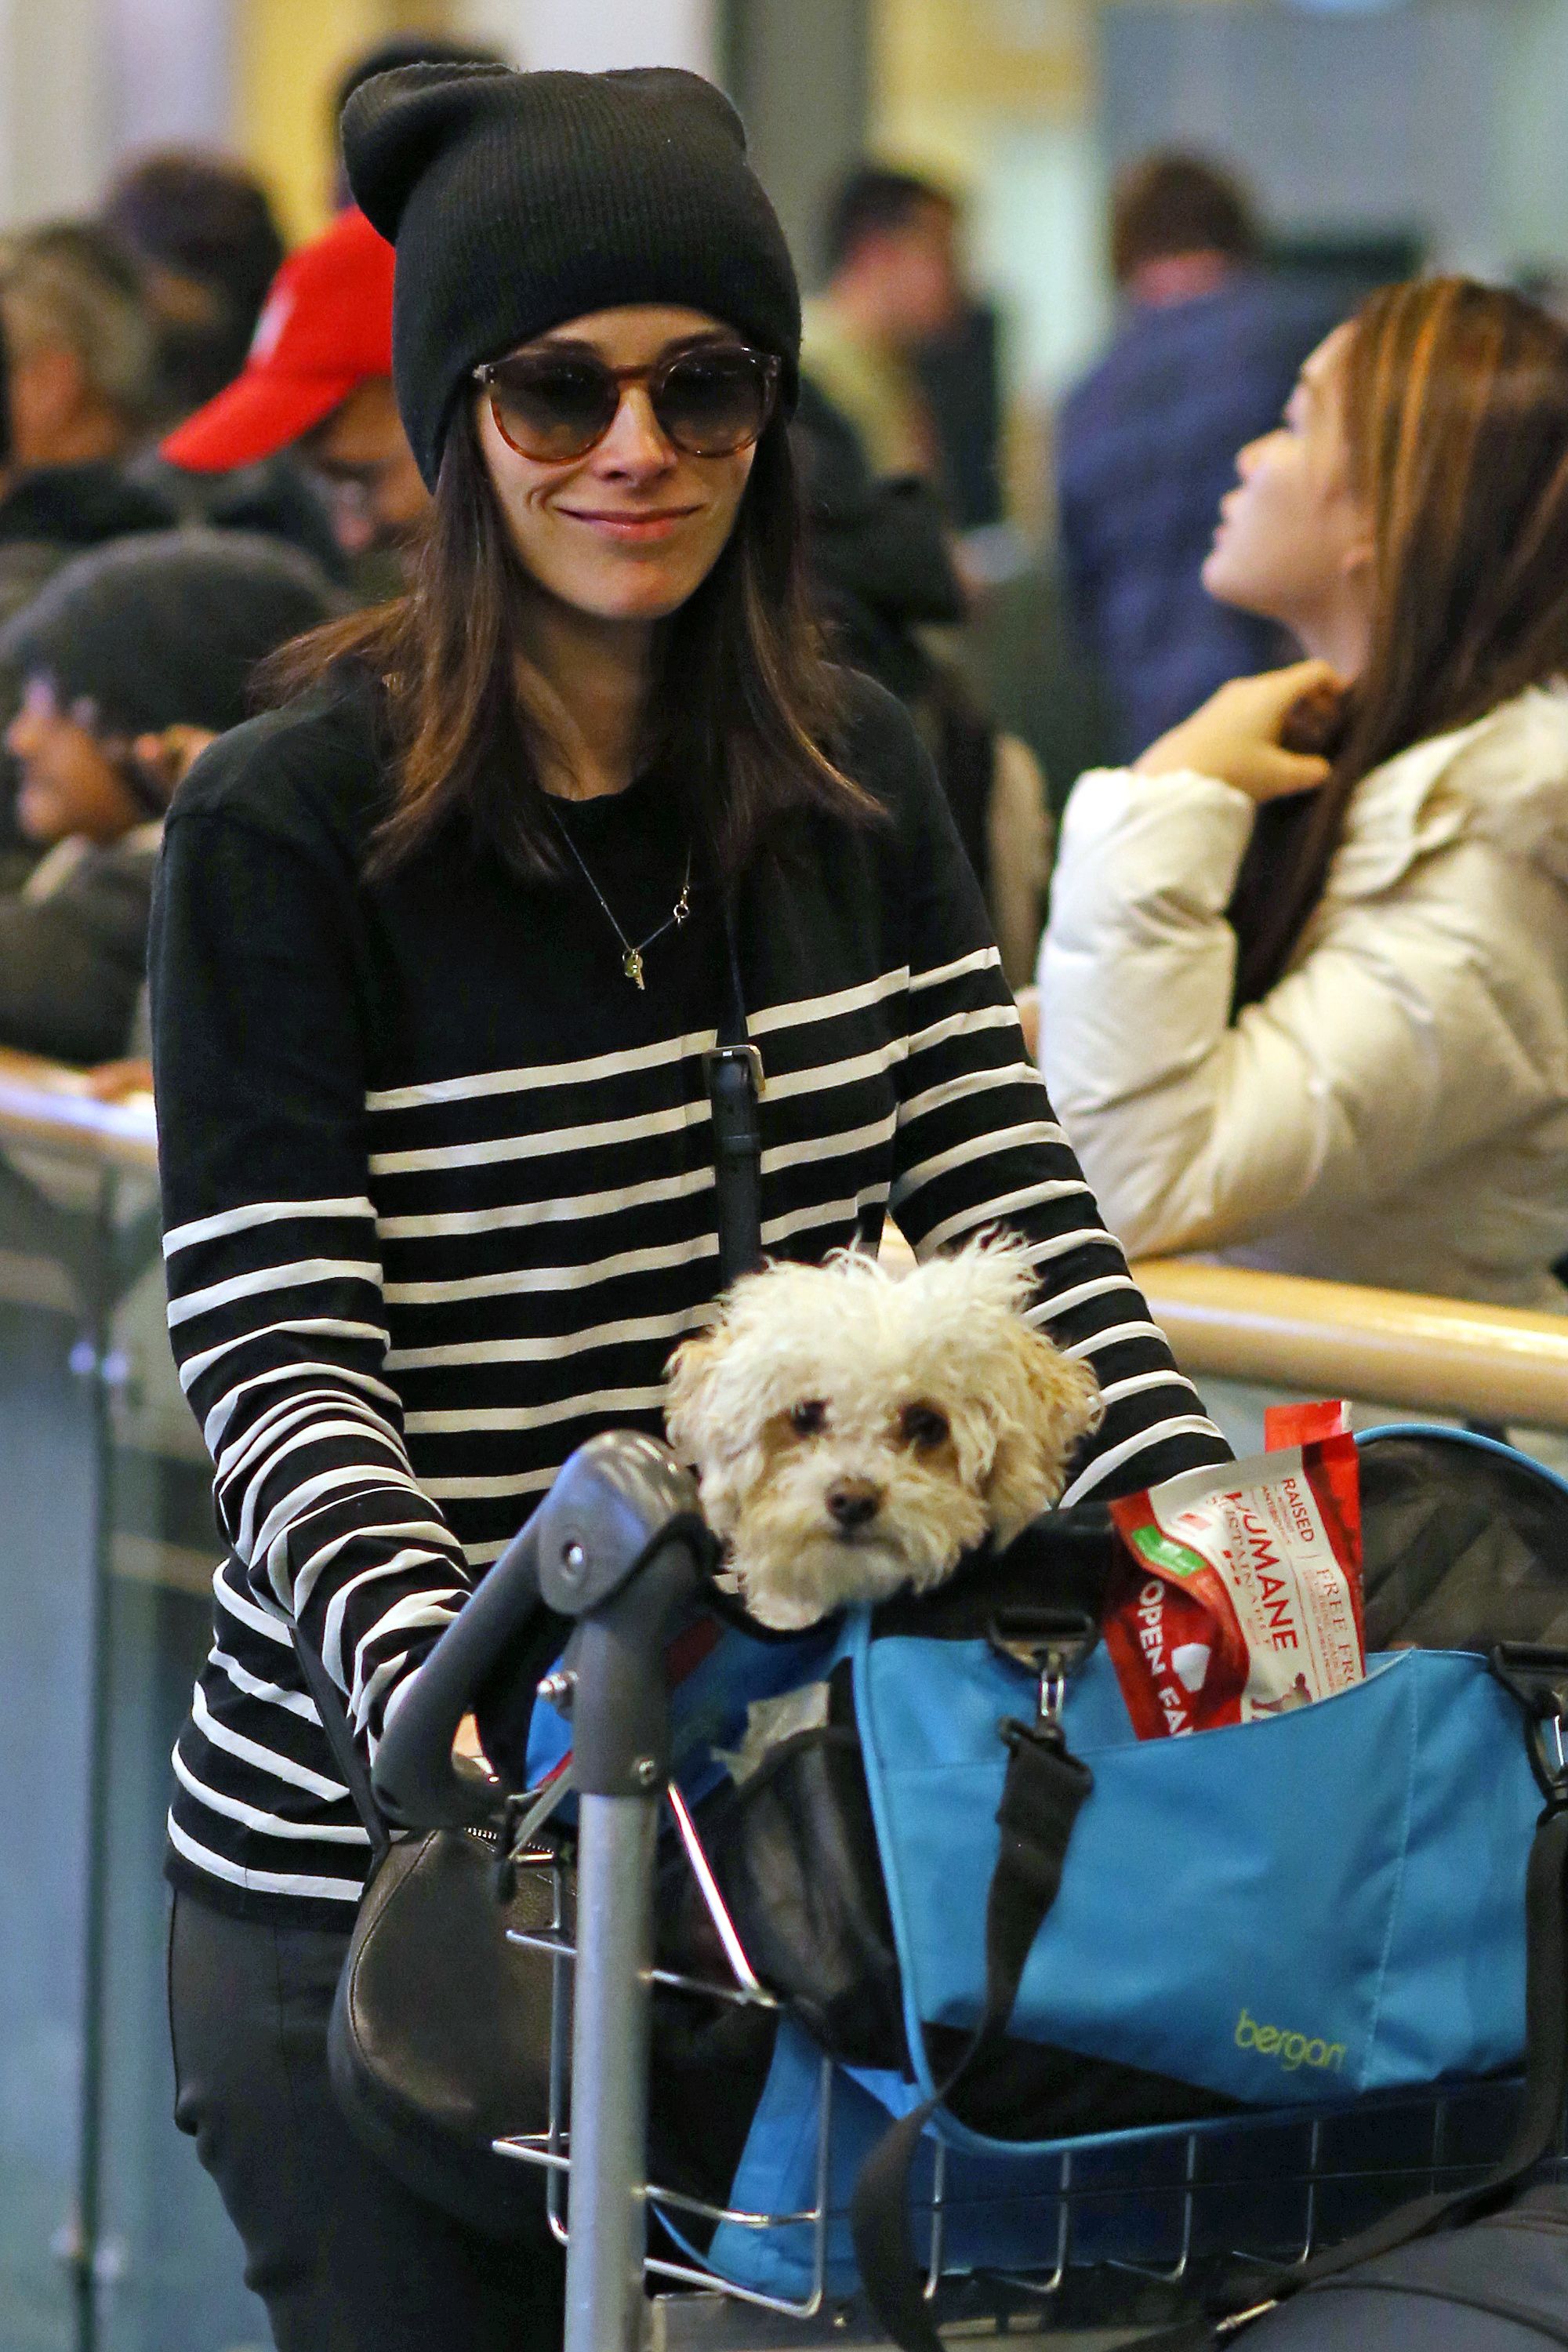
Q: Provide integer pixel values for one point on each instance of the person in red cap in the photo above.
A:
(319, 381)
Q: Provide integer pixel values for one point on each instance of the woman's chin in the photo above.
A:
(633, 591)
(1223, 580)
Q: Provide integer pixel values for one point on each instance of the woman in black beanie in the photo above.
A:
(439, 948)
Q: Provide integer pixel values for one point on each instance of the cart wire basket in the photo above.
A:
(1129, 2239)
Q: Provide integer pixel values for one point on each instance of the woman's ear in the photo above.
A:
(1044, 1404)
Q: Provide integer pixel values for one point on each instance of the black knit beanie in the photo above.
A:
(519, 200)
(166, 629)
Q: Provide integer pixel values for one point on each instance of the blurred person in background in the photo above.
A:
(203, 228)
(1203, 361)
(1311, 1011)
(134, 657)
(880, 488)
(81, 367)
(318, 383)
(881, 571)
(959, 373)
(891, 247)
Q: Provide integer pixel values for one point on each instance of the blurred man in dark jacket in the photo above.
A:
(881, 571)
(1203, 362)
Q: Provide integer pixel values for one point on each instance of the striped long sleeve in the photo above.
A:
(278, 1321)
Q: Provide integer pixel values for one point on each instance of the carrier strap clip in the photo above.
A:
(1538, 1678)
(1052, 1643)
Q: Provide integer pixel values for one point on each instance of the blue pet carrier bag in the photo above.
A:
(1295, 1914)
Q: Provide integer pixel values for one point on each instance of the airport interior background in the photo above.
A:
(1377, 136)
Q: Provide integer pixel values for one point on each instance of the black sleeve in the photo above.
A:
(274, 1272)
(978, 1146)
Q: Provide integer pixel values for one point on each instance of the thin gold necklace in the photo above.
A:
(631, 956)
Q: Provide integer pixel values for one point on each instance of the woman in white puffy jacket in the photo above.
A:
(1311, 1013)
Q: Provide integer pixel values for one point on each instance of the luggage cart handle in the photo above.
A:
(621, 1504)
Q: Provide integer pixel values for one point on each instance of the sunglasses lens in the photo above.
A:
(711, 404)
(553, 409)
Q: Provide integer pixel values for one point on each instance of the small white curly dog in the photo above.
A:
(856, 1430)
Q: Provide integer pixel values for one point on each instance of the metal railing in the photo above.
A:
(1225, 1322)
(44, 1104)
(1329, 1338)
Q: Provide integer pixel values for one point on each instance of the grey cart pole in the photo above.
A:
(620, 1764)
(617, 1545)
(605, 2302)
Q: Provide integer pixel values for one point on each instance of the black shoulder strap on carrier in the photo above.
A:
(732, 1068)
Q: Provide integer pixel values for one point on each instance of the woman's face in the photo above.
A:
(629, 530)
(1292, 543)
(68, 783)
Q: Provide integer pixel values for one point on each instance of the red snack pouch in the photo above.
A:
(1240, 1590)
(1297, 1424)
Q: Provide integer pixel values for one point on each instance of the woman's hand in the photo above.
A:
(467, 1749)
(169, 757)
(1236, 736)
(113, 1081)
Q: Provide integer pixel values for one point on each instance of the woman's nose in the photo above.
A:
(633, 445)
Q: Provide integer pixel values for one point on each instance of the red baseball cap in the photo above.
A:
(325, 329)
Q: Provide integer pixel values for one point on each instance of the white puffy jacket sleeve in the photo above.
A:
(1410, 1028)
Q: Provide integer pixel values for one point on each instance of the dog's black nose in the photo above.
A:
(853, 1501)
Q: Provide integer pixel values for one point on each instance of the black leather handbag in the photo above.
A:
(439, 2037)
(439, 2040)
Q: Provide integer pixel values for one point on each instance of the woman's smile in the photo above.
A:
(627, 527)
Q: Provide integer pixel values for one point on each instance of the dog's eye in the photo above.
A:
(808, 1420)
(922, 1425)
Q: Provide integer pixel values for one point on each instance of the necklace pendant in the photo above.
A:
(632, 967)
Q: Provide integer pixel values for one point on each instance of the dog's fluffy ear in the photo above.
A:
(690, 1376)
(1044, 1404)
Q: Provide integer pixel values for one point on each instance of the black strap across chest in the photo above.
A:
(732, 1071)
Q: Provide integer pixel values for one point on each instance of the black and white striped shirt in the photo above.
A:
(438, 1198)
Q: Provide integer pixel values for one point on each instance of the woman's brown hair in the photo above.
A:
(743, 706)
(1455, 405)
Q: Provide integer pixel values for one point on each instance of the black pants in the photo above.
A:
(345, 2257)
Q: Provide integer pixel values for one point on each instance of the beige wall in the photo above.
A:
(999, 98)
(947, 72)
(594, 36)
(287, 55)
